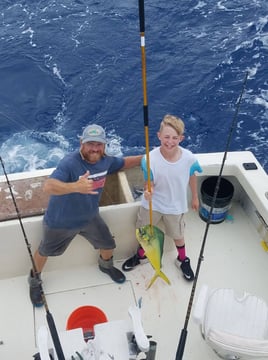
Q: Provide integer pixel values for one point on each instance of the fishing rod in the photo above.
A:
(49, 317)
(145, 102)
(183, 336)
(155, 232)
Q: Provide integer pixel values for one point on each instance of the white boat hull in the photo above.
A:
(234, 258)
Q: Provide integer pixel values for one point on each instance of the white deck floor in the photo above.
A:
(233, 258)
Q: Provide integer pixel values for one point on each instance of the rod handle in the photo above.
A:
(55, 336)
(181, 346)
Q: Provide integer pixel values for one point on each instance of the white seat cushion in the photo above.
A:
(238, 345)
(246, 316)
(235, 327)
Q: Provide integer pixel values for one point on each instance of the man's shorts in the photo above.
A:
(174, 224)
(56, 241)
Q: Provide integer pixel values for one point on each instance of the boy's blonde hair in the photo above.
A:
(175, 122)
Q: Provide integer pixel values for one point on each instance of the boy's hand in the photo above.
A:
(148, 194)
(195, 203)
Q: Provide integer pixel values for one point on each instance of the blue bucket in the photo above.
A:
(222, 202)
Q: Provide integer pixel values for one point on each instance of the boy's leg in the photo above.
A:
(138, 258)
(175, 226)
(182, 261)
(143, 218)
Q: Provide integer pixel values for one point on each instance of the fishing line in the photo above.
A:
(14, 121)
(50, 320)
(183, 336)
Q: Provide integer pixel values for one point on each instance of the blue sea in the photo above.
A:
(67, 63)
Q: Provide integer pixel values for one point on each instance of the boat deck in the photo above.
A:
(233, 258)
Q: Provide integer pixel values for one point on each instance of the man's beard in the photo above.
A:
(93, 156)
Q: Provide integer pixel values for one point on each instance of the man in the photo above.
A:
(75, 188)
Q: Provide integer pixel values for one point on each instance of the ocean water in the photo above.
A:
(67, 63)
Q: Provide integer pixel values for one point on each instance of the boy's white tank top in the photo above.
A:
(170, 180)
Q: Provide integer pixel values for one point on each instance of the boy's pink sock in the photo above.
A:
(181, 252)
(141, 252)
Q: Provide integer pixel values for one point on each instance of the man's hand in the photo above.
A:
(82, 186)
(85, 185)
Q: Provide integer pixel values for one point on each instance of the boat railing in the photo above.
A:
(32, 200)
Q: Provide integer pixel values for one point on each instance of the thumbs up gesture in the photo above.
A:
(86, 185)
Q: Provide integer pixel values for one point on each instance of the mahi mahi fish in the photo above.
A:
(151, 238)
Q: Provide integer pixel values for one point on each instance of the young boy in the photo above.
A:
(172, 169)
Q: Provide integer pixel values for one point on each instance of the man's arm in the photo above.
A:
(56, 187)
(132, 161)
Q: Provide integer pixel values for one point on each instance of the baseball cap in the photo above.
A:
(93, 133)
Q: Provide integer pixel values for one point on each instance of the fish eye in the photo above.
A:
(142, 231)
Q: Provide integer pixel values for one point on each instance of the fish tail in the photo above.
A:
(152, 280)
(164, 277)
(156, 275)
